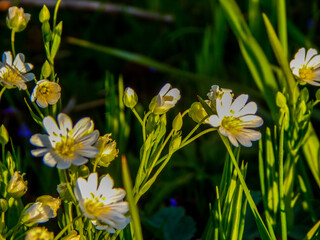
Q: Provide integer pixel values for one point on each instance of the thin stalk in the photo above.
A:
(282, 25)
(137, 116)
(12, 43)
(144, 126)
(2, 91)
(281, 194)
(244, 185)
(56, 14)
(185, 143)
(65, 228)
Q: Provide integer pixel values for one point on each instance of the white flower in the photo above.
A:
(166, 99)
(306, 67)
(46, 92)
(235, 119)
(37, 213)
(102, 204)
(15, 74)
(217, 92)
(65, 145)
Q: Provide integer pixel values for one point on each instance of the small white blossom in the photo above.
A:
(306, 67)
(235, 119)
(15, 73)
(102, 204)
(65, 145)
(165, 100)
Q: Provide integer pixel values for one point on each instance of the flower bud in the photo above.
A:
(17, 187)
(83, 171)
(177, 122)
(36, 213)
(175, 143)
(17, 20)
(197, 112)
(73, 235)
(4, 135)
(39, 233)
(107, 151)
(130, 98)
(44, 14)
(3, 205)
(53, 203)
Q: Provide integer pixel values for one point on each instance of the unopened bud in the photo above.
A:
(44, 14)
(17, 20)
(130, 98)
(3, 205)
(177, 122)
(17, 187)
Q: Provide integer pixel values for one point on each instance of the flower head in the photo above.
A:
(102, 204)
(306, 67)
(39, 233)
(15, 74)
(107, 151)
(17, 187)
(235, 119)
(217, 92)
(36, 213)
(65, 145)
(46, 92)
(166, 99)
(130, 98)
(17, 20)
(53, 203)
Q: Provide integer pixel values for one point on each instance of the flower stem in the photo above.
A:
(12, 43)
(253, 206)
(2, 91)
(137, 116)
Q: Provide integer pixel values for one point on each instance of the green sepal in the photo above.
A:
(4, 135)
(46, 69)
(56, 40)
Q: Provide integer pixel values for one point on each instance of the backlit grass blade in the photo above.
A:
(132, 205)
(282, 25)
(140, 59)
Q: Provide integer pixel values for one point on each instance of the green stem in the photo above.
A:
(56, 14)
(245, 188)
(137, 116)
(281, 194)
(144, 126)
(12, 43)
(2, 91)
(65, 228)
(186, 141)
(282, 25)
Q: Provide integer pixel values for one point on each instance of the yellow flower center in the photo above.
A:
(66, 147)
(306, 73)
(44, 90)
(168, 98)
(231, 123)
(94, 206)
(11, 77)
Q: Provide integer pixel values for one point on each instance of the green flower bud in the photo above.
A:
(4, 135)
(130, 98)
(17, 20)
(44, 14)
(58, 29)
(3, 205)
(73, 235)
(177, 122)
(17, 187)
(175, 143)
(53, 203)
(197, 112)
(83, 171)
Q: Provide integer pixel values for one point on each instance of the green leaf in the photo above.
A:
(56, 40)
(46, 69)
(46, 32)
(318, 94)
(132, 205)
(37, 119)
(4, 135)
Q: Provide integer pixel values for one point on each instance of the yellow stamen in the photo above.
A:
(94, 206)
(306, 73)
(231, 123)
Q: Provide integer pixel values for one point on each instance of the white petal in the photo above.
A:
(311, 52)
(39, 152)
(19, 63)
(7, 58)
(28, 66)
(80, 161)
(63, 164)
(165, 89)
(40, 140)
(233, 140)
(41, 102)
(65, 123)
(251, 121)
(250, 108)
(82, 126)
(51, 126)
(106, 184)
(50, 159)
(243, 140)
(239, 102)
(93, 181)
(175, 93)
(29, 76)
(214, 121)
(88, 152)
(314, 61)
